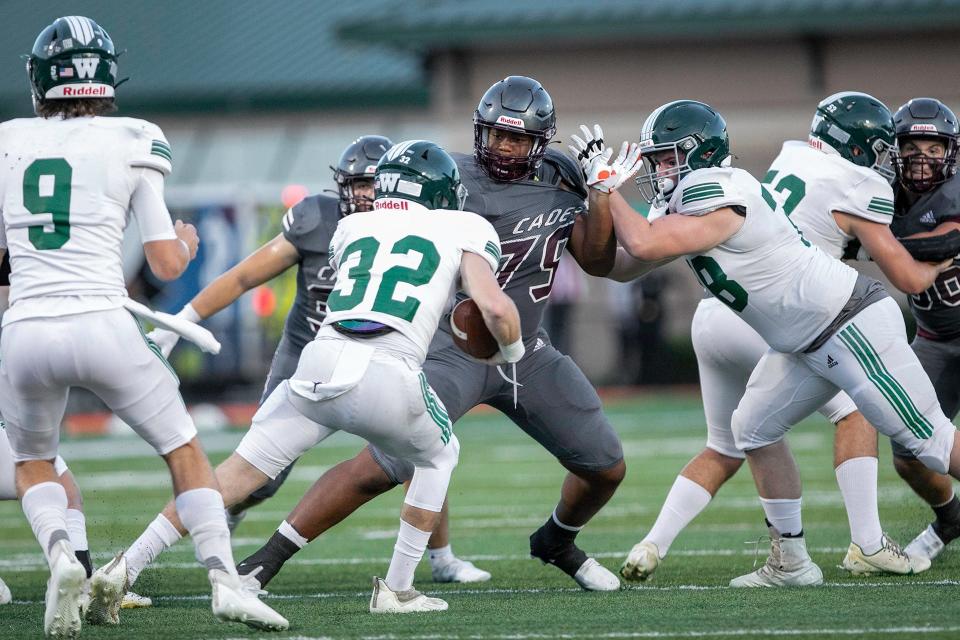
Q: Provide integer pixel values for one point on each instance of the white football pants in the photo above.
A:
(728, 350)
(870, 359)
(103, 351)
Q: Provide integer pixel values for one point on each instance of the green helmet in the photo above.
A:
(72, 58)
(419, 171)
(696, 135)
(858, 127)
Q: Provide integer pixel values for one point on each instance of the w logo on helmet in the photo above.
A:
(86, 67)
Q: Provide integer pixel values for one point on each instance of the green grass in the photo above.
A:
(504, 488)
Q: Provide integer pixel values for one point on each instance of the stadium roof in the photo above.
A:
(431, 24)
(228, 55)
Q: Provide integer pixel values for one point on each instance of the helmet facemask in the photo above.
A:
(657, 184)
(507, 168)
(933, 171)
(350, 201)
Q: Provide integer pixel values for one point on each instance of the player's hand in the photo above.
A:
(606, 176)
(588, 148)
(187, 234)
(164, 339)
(507, 354)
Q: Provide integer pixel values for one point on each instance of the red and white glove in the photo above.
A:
(606, 176)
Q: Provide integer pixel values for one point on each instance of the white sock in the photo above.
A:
(411, 543)
(201, 512)
(77, 529)
(440, 556)
(45, 506)
(784, 515)
(857, 479)
(287, 531)
(684, 503)
(159, 535)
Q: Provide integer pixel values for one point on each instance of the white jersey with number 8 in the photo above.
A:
(785, 288)
(400, 263)
(65, 197)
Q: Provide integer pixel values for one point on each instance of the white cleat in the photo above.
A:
(233, 602)
(133, 600)
(890, 558)
(593, 576)
(107, 587)
(384, 600)
(641, 562)
(458, 570)
(61, 619)
(5, 595)
(788, 565)
(925, 546)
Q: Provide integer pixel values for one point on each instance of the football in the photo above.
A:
(469, 331)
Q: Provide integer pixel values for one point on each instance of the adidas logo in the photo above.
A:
(929, 218)
(540, 344)
(831, 363)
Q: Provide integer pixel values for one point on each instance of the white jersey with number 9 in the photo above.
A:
(65, 197)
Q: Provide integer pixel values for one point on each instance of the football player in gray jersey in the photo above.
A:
(927, 206)
(305, 240)
(535, 198)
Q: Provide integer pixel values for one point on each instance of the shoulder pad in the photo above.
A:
(566, 170)
(706, 190)
(303, 217)
(152, 149)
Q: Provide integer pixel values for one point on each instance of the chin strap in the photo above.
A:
(514, 382)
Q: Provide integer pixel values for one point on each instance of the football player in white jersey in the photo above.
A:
(828, 328)
(397, 267)
(76, 521)
(70, 183)
(835, 195)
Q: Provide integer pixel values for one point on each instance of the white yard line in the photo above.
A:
(468, 592)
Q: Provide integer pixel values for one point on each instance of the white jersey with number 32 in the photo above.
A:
(811, 184)
(65, 191)
(400, 263)
(785, 288)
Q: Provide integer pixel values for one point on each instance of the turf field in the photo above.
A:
(502, 491)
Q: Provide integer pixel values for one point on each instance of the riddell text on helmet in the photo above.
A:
(85, 91)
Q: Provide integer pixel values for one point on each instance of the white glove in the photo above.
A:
(507, 354)
(166, 339)
(588, 148)
(606, 176)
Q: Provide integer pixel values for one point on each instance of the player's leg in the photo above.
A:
(781, 392)
(885, 379)
(459, 383)
(8, 490)
(727, 350)
(941, 362)
(560, 409)
(282, 367)
(34, 382)
(140, 387)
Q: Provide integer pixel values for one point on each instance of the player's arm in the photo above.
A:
(625, 266)
(168, 248)
(675, 235)
(941, 229)
(499, 313)
(592, 242)
(905, 273)
(267, 262)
